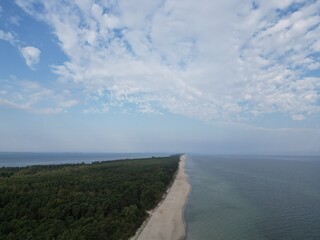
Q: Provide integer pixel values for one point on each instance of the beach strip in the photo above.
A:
(166, 221)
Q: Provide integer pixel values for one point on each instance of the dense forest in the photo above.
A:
(102, 200)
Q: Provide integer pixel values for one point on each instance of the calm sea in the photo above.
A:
(253, 198)
(27, 159)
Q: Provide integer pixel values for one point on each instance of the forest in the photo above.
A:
(102, 200)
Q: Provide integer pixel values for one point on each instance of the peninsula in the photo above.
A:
(102, 200)
(166, 221)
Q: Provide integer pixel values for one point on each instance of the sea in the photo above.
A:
(233, 197)
(22, 159)
(253, 198)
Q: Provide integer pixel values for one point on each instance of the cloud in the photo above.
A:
(6, 36)
(32, 97)
(31, 55)
(298, 117)
(214, 60)
(15, 20)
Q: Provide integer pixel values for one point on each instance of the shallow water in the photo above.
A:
(253, 197)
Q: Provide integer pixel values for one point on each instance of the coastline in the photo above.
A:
(166, 221)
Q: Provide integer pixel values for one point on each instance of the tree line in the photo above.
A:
(102, 200)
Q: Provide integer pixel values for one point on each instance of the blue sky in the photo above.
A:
(178, 76)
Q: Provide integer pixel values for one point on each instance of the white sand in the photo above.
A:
(166, 222)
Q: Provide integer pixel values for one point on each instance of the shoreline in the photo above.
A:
(166, 221)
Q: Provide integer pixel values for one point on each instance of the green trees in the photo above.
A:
(106, 200)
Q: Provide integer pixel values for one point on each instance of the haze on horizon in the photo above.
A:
(160, 76)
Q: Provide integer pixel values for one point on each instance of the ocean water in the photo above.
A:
(253, 198)
(28, 159)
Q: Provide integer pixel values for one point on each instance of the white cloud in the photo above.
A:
(298, 117)
(214, 60)
(6, 36)
(31, 55)
(31, 96)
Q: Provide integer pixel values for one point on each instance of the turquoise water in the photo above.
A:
(253, 198)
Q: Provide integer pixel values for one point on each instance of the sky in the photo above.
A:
(224, 77)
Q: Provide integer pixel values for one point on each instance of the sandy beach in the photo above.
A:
(166, 221)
